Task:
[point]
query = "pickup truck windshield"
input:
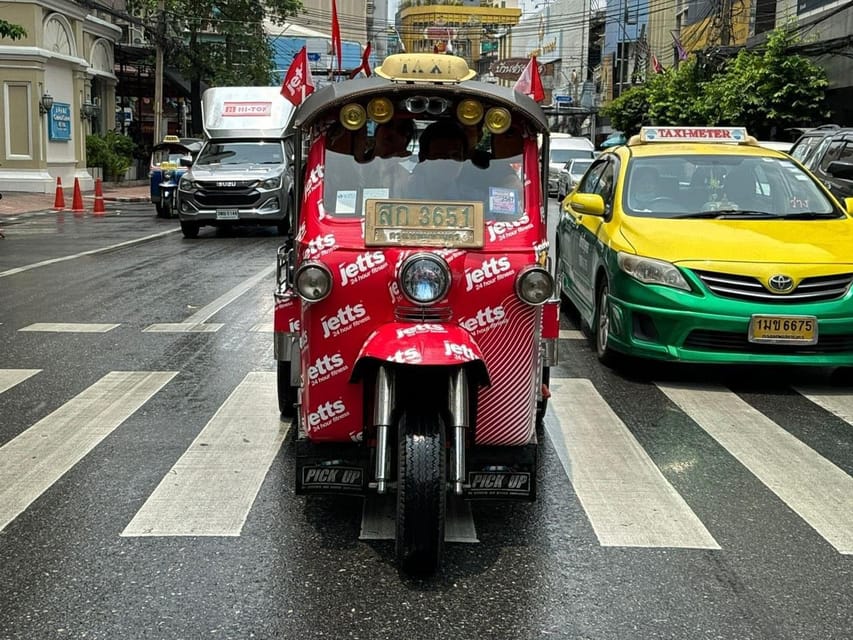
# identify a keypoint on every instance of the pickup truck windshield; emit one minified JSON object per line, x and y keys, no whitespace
{"x":229,"y":153}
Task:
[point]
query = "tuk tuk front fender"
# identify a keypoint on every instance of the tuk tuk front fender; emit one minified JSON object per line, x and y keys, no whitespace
{"x":423,"y":344}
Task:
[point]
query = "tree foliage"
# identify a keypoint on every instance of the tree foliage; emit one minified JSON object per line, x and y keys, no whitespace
{"x":12,"y":31}
{"x":758,"y":89}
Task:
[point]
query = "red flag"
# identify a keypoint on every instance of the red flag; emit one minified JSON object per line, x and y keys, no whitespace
{"x":530,"y":82}
{"x":656,"y":65}
{"x":336,"y":35}
{"x":298,"y":82}
{"x":365,"y":64}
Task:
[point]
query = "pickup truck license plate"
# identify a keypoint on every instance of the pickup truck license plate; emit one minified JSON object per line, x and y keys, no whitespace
{"x":227,"y":214}
{"x":783,"y":329}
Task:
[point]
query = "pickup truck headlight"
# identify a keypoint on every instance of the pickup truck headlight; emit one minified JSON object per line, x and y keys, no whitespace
{"x":270,"y":183}
{"x":186,"y":184}
{"x":652,"y":271}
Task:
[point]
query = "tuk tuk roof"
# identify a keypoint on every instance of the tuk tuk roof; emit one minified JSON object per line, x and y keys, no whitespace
{"x":338,"y":94}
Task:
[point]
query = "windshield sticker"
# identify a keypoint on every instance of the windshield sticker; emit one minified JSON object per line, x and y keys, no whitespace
{"x":345,"y":201}
{"x":503,"y":201}
{"x":378,"y":194}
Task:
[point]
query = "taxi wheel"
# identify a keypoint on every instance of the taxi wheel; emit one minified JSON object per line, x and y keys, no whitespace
{"x":421,"y":491}
{"x":601,"y":328}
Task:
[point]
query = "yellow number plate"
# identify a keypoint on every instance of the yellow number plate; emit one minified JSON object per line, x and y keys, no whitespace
{"x":417,"y":223}
{"x":783,"y":329}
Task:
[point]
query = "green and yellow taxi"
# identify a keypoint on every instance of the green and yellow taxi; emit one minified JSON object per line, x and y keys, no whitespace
{"x":695,"y":244}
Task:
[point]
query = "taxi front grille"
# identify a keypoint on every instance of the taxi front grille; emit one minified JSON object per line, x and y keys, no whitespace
{"x":739,"y":287}
{"x":423,"y":314}
{"x":704,"y":340}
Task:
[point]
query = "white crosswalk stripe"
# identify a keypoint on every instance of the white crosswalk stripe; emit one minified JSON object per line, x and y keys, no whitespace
{"x":211,"y":488}
{"x":816,"y":489}
{"x":627,"y":500}
{"x":626,"y":497}
{"x":38,"y":457}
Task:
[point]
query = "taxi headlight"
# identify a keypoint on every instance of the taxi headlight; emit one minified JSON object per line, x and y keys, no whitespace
{"x":534,"y":285}
{"x":270,"y":183}
{"x":424,"y":278}
{"x":313,"y":281}
{"x":651,"y":271}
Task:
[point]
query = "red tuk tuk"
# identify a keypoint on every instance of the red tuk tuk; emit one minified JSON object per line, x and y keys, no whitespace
{"x":415,"y":316}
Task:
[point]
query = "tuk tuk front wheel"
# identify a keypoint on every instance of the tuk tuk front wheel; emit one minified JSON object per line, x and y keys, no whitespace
{"x":421,"y":491}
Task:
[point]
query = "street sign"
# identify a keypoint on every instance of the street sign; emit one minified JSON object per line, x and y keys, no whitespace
{"x":563,"y":101}
{"x":314,"y":57}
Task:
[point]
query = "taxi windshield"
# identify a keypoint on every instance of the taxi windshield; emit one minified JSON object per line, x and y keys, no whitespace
{"x":423,"y":160}
{"x":722,"y":186}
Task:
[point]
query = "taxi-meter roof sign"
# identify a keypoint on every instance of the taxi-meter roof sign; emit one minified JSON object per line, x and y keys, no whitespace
{"x":693,"y":134}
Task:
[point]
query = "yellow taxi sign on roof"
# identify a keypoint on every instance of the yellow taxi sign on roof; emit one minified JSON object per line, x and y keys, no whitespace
{"x":694,"y":134}
{"x":171,"y":139}
{"x":424,"y":67}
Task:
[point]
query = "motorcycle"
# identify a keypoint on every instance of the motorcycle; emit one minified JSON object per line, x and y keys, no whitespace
{"x":415,"y":312}
{"x":166,"y":170}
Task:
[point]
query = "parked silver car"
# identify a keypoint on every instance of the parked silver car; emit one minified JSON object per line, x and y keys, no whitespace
{"x":570,"y":175}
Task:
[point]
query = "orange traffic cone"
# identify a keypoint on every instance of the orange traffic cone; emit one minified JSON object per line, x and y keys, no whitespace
{"x":99,"y":209}
{"x":77,"y":200}
{"x":59,"y":199}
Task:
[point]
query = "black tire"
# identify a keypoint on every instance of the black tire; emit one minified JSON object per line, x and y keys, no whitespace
{"x":190,"y":229}
{"x":542,"y":405}
{"x":161,"y":212}
{"x":286,"y":392}
{"x":601,"y":325}
{"x":421,"y":492}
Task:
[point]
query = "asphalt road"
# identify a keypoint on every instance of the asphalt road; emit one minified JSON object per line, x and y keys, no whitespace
{"x":674,"y":502}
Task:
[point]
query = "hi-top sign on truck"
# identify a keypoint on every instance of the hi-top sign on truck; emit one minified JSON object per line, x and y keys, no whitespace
{"x":243,"y":173}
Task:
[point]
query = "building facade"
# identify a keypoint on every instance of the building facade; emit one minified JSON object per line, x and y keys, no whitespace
{"x":57,"y":84}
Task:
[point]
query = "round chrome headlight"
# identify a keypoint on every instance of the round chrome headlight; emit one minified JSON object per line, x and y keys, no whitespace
{"x":313,"y":281}
{"x":424,"y":278}
{"x":534,"y":285}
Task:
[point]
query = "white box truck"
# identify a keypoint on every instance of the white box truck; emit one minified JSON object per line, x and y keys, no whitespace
{"x":244,"y":172}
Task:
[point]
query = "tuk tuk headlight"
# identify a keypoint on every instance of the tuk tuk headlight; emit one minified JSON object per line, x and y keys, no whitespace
{"x":534,"y":285}
{"x":270,"y":183}
{"x":424,"y":278}
{"x":313,"y":281}
{"x":167,"y":175}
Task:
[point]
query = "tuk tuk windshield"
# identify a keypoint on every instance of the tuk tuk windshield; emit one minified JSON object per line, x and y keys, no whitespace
{"x":168,"y":157}
{"x":241,"y":152}
{"x":424,"y":160}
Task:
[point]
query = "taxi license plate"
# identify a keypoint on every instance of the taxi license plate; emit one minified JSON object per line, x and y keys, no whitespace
{"x":783,"y":329}
{"x":227,"y":214}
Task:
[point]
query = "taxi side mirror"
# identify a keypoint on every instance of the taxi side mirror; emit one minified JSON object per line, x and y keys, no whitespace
{"x":186,"y":162}
{"x":590,"y":204}
{"x":848,"y":204}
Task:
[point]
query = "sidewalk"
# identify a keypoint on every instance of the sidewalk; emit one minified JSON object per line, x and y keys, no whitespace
{"x":18,"y":203}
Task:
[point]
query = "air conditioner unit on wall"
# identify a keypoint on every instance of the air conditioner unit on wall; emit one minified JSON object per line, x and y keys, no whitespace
{"x":137,"y":35}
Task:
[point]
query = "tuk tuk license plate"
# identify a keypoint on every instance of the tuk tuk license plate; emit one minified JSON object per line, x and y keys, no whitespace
{"x":419,"y":223}
{"x":783,"y":329}
{"x":227,"y":214}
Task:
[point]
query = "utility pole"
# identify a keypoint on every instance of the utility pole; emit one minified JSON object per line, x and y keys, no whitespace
{"x":158,"y":71}
{"x":726,"y":22}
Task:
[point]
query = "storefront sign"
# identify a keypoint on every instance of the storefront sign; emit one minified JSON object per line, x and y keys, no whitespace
{"x":510,"y":68}
{"x":59,"y":122}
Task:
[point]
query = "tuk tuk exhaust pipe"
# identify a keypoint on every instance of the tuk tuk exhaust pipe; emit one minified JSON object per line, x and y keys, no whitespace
{"x":459,"y":419}
{"x":382,"y":408}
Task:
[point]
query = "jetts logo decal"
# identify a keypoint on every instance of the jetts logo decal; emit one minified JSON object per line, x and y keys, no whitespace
{"x":485,"y":319}
{"x":498,"y":483}
{"x":327,"y":413}
{"x":326,"y":367}
{"x":461,"y":352}
{"x":345,"y":319}
{"x":319,"y":246}
{"x":499,"y":231}
{"x":332,"y":478}
{"x":490,"y":271}
{"x":411,"y":332}
{"x":364,"y":266}
{"x":406,"y":356}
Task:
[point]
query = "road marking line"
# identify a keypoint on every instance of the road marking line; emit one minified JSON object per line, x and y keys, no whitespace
{"x":832,"y":399}
{"x":69,"y":327}
{"x":91,"y":252}
{"x":263,"y":327}
{"x":41,"y":455}
{"x":571,"y":334}
{"x":211,"y":488}
{"x":196,"y":321}
{"x":10,"y":377}
{"x":627,"y":499}
{"x":816,"y":489}
{"x":182,"y":327}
